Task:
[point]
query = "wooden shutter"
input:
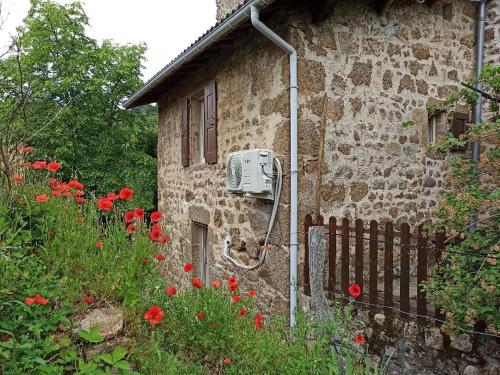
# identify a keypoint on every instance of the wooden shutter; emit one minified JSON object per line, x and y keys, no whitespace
{"x":185,"y":132}
{"x":458,"y":127}
{"x":210,"y":144}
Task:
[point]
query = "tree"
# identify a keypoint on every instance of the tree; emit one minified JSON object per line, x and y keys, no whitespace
{"x":61,"y":92}
{"x":466,"y":283}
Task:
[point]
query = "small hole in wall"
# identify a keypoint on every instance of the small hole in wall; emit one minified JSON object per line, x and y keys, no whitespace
{"x":447,"y":11}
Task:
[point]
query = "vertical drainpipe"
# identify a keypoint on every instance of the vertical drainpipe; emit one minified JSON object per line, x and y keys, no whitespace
{"x":293,"y":153}
{"x":478,"y":109}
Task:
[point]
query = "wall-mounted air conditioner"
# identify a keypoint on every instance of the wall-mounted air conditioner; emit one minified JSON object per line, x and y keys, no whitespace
{"x":250,"y":173}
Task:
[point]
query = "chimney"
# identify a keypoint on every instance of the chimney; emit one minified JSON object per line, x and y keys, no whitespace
{"x":226,"y":6}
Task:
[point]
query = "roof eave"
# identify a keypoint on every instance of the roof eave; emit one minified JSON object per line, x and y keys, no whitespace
{"x":221,"y":29}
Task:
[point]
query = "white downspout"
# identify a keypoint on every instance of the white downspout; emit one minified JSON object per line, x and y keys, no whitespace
{"x":293,"y":153}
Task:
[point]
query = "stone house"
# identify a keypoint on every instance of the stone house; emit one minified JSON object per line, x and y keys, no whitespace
{"x":379,"y":62}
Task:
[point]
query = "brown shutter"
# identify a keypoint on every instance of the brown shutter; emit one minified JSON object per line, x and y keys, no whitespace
{"x":458,"y":127}
{"x":185,"y":132}
{"x":210,"y":123}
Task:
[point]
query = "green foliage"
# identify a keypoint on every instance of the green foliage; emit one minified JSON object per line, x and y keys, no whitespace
{"x":92,"y":336}
{"x":407,"y":123}
{"x":108,"y":363}
{"x":61,"y":91}
{"x":465,"y":284}
{"x":50,"y":248}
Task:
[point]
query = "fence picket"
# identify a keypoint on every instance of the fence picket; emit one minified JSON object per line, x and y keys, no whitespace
{"x":404,"y":294}
{"x":373,"y":280}
{"x":421,"y":271}
{"x":307,"y":224}
{"x":440,"y":245}
{"x":332,"y":254}
{"x":344,"y":272}
{"x":388,"y":264}
{"x":358,"y":256}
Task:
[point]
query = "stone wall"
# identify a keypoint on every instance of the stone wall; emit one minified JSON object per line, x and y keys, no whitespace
{"x":401,"y":346}
{"x":492,"y":33}
{"x":226,"y":6}
{"x":377,"y":73}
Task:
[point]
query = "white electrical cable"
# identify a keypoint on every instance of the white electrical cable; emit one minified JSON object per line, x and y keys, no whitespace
{"x":263,"y":256}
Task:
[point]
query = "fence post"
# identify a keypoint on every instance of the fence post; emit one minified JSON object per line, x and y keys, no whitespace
{"x":421,"y":271}
{"x":373,"y":280}
{"x":317,"y":249}
{"x":405,"y":269}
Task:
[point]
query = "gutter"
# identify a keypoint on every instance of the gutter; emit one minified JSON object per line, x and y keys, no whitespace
{"x":271,"y":35}
{"x":478,"y":109}
{"x":219,"y":31}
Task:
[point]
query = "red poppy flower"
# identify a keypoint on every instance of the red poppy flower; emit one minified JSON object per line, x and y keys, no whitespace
{"x":155,"y":216}
{"x":126,"y":194}
{"x":79,"y":193}
{"x":232,"y":283}
{"x":53,"y":166}
{"x":258,"y":321}
{"x":131,"y":228}
{"x":155,"y":234}
{"x":145,"y":262}
{"x":243,"y":311}
{"x":196,"y":282}
{"x":139,"y":212}
{"x":29,"y":301}
{"x":129,"y":216}
{"x":187,"y":267}
{"x":42,"y":198}
{"x":75,"y":184}
{"x":354,"y":290}
{"x":56,"y":193}
{"x":112,"y":196}
{"x":88,"y":299}
{"x":38,"y":299}
{"x":251,"y":293}
{"x":80,"y":200}
{"x":216,"y":283}
{"x":164,"y":239}
{"x":160,"y":258}
{"x":99,"y":244}
{"x":227,"y":361}
{"x":360,"y":339}
{"x":6,"y":338}
{"x":154,"y":315}
{"x":171,"y":291}
{"x":201,"y":315}
{"x":39,"y":164}
{"x":18,"y":179}
{"x":25,"y":149}
{"x":104,"y":204}
{"x":236,"y":298}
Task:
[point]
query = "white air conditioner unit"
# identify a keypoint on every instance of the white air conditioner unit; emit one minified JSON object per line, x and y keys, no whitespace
{"x":250,"y":173}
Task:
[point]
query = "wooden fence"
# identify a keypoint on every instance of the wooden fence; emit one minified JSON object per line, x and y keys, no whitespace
{"x":369,"y":254}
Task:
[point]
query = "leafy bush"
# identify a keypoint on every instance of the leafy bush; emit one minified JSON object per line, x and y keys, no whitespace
{"x":62,"y":252}
{"x":465,"y":284}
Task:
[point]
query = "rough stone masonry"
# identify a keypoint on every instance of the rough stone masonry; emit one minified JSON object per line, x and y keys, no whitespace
{"x":377,"y":71}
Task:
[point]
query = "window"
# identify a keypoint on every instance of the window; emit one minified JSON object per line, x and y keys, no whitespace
{"x":457,"y":127}
{"x":199,"y":245}
{"x":199,"y":127}
{"x":432,"y":124}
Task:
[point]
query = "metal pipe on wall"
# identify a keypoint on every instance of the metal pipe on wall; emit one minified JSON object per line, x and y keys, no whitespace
{"x":478,"y":109}
{"x":266,"y":31}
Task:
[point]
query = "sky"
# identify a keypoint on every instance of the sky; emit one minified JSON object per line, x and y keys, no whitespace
{"x":166,"y":26}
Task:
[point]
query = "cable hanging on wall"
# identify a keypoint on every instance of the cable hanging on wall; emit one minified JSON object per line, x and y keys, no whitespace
{"x":228,"y":245}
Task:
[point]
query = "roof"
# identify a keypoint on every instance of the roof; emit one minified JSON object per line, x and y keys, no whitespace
{"x":218,"y":33}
